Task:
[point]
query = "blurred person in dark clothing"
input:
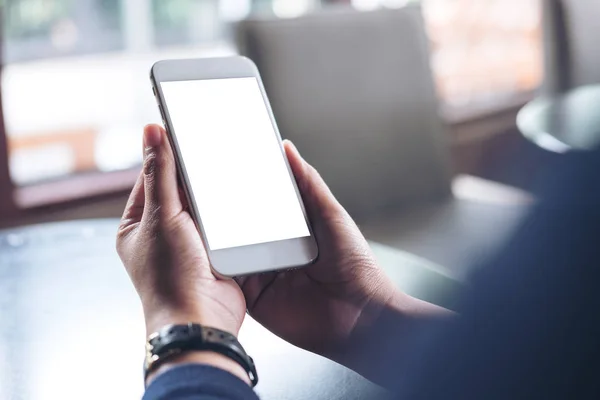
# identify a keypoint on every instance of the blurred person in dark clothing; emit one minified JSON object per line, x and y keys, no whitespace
{"x":528,"y":326}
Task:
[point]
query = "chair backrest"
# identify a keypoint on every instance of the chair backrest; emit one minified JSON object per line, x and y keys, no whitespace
{"x":354,"y":91}
{"x":572,"y":57}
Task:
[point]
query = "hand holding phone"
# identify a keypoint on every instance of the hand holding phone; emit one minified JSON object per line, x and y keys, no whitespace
{"x":325,"y":307}
{"x":161,"y":250}
{"x":159,"y":245}
{"x":231,"y":164}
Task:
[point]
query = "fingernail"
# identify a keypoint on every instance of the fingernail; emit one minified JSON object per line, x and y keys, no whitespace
{"x":294,"y":148}
{"x":290,"y":144}
{"x":152,"y":136}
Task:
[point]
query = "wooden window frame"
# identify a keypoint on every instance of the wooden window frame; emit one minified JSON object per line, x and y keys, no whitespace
{"x":18,"y":202}
{"x":7,"y":206}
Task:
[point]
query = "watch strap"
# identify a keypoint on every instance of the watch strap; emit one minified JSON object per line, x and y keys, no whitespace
{"x":173,"y":340}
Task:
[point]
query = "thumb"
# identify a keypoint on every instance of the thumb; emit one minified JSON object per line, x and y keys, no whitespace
{"x":160,"y":175}
{"x":321,"y":204}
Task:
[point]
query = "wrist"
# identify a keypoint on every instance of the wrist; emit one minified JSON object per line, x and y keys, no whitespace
{"x":387,"y":321}
{"x":385,"y":304}
{"x":157,"y":319}
{"x":394,"y":306}
{"x":380,"y":298}
{"x":190,"y":343}
{"x":391,"y":303}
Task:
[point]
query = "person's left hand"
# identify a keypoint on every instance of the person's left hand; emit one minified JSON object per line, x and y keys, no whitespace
{"x":163,"y":253}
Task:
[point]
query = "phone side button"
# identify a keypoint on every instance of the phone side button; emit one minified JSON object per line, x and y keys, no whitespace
{"x":162,"y":115}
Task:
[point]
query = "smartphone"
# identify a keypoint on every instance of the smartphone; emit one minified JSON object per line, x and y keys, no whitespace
{"x":232,"y":165}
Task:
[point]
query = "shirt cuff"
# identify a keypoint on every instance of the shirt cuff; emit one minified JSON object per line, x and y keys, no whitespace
{"x":202,"y":382}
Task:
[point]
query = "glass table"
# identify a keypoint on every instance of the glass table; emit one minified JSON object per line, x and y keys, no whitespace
{"x":71,"y":320}
{"x":565,"y":122}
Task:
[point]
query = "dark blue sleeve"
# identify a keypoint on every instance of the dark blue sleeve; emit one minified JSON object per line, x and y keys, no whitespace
{"x":198,"y":382}
{"x":529,"y":324}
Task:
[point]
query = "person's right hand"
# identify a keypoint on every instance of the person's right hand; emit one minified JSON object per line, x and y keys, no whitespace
{"x":320,"y":307}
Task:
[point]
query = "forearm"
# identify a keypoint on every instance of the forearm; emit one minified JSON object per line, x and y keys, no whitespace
{"x":389,"y":326}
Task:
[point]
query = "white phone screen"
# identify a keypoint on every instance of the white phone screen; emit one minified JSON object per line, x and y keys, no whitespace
{"x":235,"y":166}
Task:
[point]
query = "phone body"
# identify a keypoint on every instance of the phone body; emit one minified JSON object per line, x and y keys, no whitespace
{"x":232,"y":165}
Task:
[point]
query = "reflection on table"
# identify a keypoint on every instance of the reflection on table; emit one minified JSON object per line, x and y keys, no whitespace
{"x":72,"y":325}
{"x":563,"y":122}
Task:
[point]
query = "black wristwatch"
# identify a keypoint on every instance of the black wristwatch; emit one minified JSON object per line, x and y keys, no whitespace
{"x":173,"y":340}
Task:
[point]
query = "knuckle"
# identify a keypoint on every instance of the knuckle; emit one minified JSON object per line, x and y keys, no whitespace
{"x":150,"y":162}
{"x":124,"y":233}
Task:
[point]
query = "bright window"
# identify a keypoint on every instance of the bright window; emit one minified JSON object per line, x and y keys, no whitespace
{"x":75,"y":82}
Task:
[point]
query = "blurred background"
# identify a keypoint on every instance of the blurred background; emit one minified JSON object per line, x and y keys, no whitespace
{"x":75,"y":90}
{"x":431,"y":121}
{"x":75,"y":78}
